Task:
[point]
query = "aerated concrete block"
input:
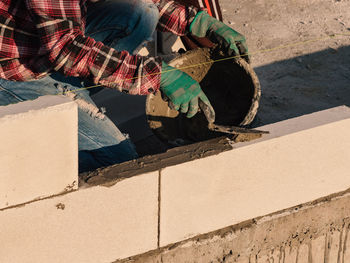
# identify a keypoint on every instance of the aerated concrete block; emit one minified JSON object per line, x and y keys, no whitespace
{"x":98,"y":224}
{"x":39,"y":149}
{"x":301,"y":160}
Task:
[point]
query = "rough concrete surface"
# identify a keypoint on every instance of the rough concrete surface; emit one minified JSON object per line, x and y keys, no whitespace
{"x":112,"y":174}
{"x":317,"y":232}
{"x":295,"y":80}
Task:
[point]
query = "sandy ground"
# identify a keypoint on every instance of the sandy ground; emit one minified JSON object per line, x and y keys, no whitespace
{"x":301,"y":79}
{"x":295,"y":80}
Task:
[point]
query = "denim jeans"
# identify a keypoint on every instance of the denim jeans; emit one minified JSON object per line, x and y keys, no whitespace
{"x":123,"y":25}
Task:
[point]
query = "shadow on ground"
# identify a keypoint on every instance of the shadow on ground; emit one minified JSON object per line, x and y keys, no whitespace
{"x":304,"y":84}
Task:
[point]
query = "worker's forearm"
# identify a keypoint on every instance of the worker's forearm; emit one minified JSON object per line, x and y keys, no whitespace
{"x":69,"y":51}
{"x":174,"y":17}
{"x":86,"y":58}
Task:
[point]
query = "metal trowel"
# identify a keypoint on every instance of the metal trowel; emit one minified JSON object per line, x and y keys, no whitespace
{"x":210,"y":115}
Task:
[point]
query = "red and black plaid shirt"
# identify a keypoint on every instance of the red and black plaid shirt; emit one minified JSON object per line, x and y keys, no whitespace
{"x":41,"y":36}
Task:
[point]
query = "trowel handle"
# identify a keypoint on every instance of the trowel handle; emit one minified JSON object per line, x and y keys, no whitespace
{"x":208,"y":111}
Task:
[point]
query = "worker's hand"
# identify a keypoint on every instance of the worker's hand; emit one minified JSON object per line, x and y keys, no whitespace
{"x":182,"y":91}
{"x":230,"y":40}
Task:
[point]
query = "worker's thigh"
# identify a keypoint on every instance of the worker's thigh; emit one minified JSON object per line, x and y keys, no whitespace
{"x":122,"y":24}
{"x":100,"y":141}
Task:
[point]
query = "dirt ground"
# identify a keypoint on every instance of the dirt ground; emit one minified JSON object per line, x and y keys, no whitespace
{"x":301,"y":79}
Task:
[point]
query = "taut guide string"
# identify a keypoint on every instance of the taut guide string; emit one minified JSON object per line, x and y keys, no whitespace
{"x":233,"y":57}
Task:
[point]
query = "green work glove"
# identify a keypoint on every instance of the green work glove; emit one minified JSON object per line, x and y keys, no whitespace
{"x":183,"y":91}
{"x":230,"y":40}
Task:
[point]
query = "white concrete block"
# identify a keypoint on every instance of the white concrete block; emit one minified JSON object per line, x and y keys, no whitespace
{"x":39,"y":149}
{"x":95,"y":225}
{"x":301,"y":160}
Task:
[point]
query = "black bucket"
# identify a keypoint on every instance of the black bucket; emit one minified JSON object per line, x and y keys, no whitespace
{"x":231,"y":86}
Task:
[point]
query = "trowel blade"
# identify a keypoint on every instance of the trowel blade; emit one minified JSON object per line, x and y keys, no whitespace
{"x":234,"y":129}
{"x":210,"y":116}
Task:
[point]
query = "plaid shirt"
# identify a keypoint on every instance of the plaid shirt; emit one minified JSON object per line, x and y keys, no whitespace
{"x":41,"y":36}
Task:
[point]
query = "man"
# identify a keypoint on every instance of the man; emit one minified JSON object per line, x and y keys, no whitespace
{"x":51,"y":47}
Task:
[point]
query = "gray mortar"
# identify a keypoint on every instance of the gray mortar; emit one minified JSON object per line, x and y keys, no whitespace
{"x":109,"y":176}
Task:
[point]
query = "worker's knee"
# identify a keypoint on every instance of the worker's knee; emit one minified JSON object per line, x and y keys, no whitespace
{"x":122,"y":24}
{"x":149,"y":17}
{"x":125,"y":15}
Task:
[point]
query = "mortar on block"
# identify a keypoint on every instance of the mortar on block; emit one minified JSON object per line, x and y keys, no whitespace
{"x":233,"y":90}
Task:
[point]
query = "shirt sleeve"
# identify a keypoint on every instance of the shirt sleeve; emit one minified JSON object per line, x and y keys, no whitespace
{"x":174,"y":17}
{"x":66,"y":49}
